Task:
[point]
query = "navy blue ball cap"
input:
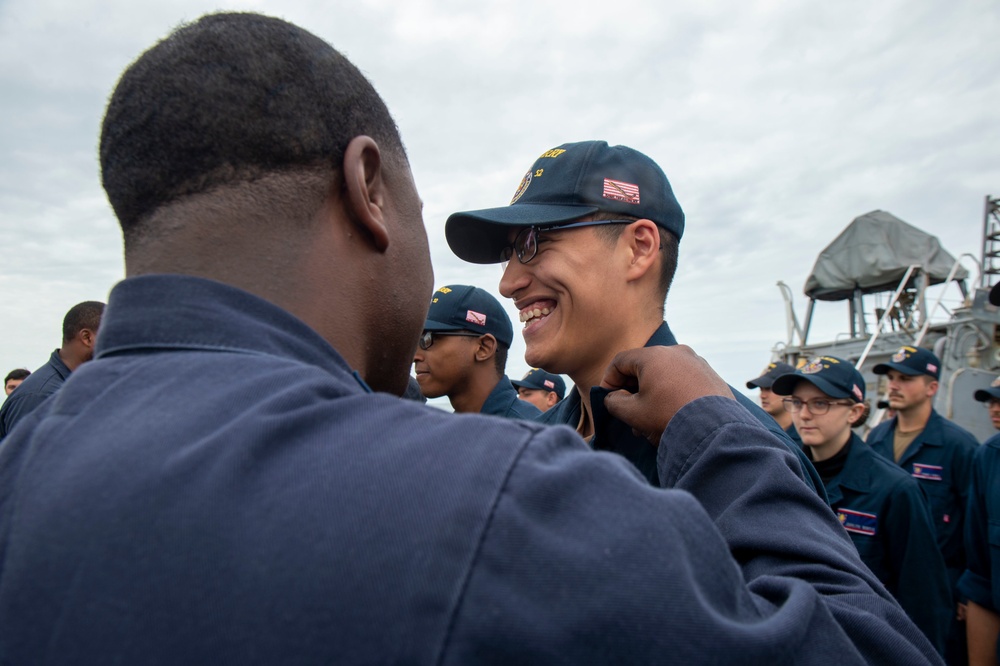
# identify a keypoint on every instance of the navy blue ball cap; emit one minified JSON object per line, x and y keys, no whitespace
{"x":462,"y":307}
{"x":536,"y":378}
{"x":831,"y":375}
{"x":911,"y":361}
{"x":563,"y":185}
{"x":770,"y":373}
{"x":991,"y":393}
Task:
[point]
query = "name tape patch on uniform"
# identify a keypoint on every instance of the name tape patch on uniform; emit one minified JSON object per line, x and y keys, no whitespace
{"x":474,"y":317}
{"x":857,"y":522}
{"x":928,"y":472}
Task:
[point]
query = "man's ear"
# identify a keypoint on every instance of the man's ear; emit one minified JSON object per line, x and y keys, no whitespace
{"x":932,"y":388}
{"x":87,"y":337}
{"x":364,"y":189}
{"x":487,"y":348}
{"x":551,"y":398}
{"x":643,"y":238}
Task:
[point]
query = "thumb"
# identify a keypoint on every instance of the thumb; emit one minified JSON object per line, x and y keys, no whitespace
{"x":625,"y":407}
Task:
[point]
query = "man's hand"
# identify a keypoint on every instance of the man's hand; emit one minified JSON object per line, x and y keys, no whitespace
{"x":656,"y":382}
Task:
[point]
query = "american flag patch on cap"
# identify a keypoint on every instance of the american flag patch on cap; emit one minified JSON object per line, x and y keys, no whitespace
{"x":549,"y":383}
{"x":621,"y":191}
{"x":474,"y":317}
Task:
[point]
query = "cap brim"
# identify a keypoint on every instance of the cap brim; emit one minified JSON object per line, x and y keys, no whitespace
{"x":431,"y":325}
{"x":884,"y":368}
{"x":985,"y":395}
{"x":760,"y":382}
{"x":785,"y":384}
{"x":479,"y":236}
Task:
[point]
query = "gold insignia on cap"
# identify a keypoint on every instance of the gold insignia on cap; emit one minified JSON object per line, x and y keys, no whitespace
{"x":812,"y":367}
{"x":522,"y":187}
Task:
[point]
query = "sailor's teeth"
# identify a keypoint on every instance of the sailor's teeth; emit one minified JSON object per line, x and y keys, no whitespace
{"x":536,"y":312}
{"x":545,"y":311}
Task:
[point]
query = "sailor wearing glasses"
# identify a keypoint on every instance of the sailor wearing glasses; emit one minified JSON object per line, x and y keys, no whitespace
{"x":882,"y":507}
{"x":462,"y":353}
{"x":589,"y":245}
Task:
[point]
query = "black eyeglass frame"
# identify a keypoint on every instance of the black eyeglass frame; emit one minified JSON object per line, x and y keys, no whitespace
{"x":426,"y":339}
{"x":528,"y":238}
{"x":788,"y":402}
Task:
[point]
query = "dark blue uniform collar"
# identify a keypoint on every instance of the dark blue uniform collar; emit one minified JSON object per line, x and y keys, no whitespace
{"x":932,"y":432}
{"x":55,"y":360}
{"x":610,"y":434}
{"x":857,"y":473}
{"x":183,"y":312}
{"x":569,"y":410}
{"x":931,"y":435}
{"x":662,"y":337}
{"x":503,"y":401}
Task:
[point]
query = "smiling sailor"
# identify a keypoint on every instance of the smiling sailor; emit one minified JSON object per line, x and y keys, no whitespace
{"x":590,"y":241}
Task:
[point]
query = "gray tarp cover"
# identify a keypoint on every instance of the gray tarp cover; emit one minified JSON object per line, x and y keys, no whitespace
{"x":872,"y":254}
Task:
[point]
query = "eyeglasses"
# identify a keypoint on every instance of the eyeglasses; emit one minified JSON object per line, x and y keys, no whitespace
{"x":525,"y":244}
{"x":426,"y":340}
{"x":817,"y":406}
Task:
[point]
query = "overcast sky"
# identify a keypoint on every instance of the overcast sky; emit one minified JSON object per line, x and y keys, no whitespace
{"x":776,"y":122}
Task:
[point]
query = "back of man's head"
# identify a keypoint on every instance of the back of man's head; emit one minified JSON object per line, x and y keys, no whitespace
{"x":231,"y":98}
{"x":86,"y":315}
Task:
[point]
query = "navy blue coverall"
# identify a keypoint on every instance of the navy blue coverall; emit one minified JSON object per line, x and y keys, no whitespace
{"x":218,"y":486}
{"x":888,"y":518}
{"x":610,"y":434}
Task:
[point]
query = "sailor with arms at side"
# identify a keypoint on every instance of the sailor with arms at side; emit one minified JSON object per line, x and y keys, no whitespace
{"x":935,"y":452}
{"x":882,"y":507}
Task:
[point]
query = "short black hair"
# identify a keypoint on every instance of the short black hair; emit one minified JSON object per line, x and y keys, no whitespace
{"x":17,"y":373}
{"x":500,"y":359}
{"x":230,"y":98}
{"x":669,"y":244}
{"x":80,"y":316}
